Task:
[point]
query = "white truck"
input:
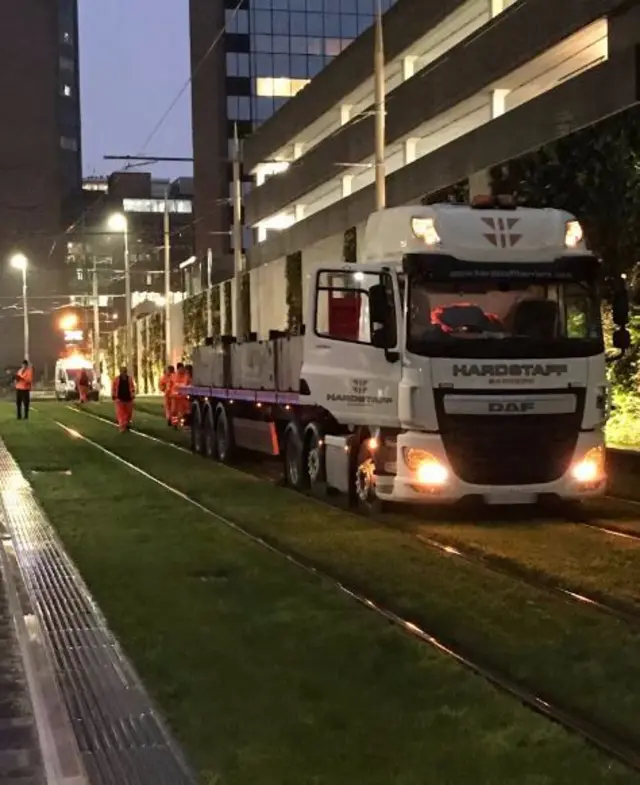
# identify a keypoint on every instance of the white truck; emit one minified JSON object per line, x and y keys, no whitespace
{"x":463,"y":358}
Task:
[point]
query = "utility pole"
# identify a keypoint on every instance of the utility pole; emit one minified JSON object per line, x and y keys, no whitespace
{"x":167,"y":277}
{"x":380,"y":118}
{"x":96,"y":322}
{"x":209,"y":294}
{"x":238,"y":262}
{"x":127,"y":295}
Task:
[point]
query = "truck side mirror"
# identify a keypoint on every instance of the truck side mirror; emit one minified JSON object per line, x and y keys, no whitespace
{"x":620,"y":305}
{"x":378,"y":305}
{"x":621,"y":339}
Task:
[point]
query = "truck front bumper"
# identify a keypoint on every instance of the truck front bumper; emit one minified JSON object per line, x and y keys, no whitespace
{"x":438,"y":483}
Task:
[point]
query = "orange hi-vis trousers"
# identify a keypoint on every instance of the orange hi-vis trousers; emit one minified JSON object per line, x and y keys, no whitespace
{"x":124,"y":414}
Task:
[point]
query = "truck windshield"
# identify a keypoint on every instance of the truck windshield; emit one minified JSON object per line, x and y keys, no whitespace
{"x":497,"y":315}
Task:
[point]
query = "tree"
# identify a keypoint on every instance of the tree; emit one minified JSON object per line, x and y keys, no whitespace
{"x":593,"y":173}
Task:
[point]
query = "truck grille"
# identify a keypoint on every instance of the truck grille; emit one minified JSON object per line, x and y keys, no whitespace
{"x":509,"y":449}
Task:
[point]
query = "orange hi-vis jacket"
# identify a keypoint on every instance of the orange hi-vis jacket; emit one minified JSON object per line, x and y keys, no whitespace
{"x":179,"y":379}
{"x":165,"y":383}
{"x":114,"y":388}
{"x":25,"y":379}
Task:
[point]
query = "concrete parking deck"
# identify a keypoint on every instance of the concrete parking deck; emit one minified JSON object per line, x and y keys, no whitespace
{"x":96,"y":723}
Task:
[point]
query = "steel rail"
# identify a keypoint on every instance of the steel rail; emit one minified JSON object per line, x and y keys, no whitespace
{"x":505,"y":567}
{"x":608,"y":741}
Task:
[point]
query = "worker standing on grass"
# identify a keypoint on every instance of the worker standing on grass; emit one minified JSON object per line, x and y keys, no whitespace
{"x":83,"y":386}
{"x":123,"y":392}
{"x":165,"y":389}
{"x":179,"y":401}
{"x":24,"y":381}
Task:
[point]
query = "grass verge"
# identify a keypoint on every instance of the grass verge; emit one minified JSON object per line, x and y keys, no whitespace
{"x":268,"y":676}
{"x":546,"y":548}
{"x":573,"y":655}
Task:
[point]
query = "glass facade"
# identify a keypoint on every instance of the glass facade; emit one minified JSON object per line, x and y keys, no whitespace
{"x":69,"y":95}
{"x":273,"y":49}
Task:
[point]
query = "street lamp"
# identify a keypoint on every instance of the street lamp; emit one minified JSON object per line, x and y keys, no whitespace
{"x":20,"y":262}
{"x":118,"y":223}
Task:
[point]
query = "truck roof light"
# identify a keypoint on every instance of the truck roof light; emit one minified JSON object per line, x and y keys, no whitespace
{"x":573,"y":234}
{"x":424,"y":229}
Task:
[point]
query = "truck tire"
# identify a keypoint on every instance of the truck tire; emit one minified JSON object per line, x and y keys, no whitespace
{"x":363,"y":495}
{"x":209,"y":447}
{"x":225,"y":441}
{"x":196,"y":429}
{"x":315,"y":458}
{"x":296,"y":472}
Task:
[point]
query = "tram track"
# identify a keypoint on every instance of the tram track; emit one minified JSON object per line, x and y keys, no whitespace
{"x":613,"y":743}
{"x":454,"y":549}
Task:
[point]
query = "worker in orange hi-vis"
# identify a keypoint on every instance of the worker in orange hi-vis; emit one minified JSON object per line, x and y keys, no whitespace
{"x":123,"y":392}
{"x":83,"y":386}
{"x":165,"y":389}
{"x":179,"y":401}
{"x":24,"y":382}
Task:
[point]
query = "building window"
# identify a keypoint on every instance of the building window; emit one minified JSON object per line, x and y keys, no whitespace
{"x":69,"y":143}
{"x":67,"y":92}
{"x":280,"y":87}
{"x":67,"y":64}
{"x":238,"y":64}
{"x":236,"y":21}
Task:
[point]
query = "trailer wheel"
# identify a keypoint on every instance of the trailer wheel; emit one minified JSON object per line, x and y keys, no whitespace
{"x":364,"y":489}
{"x":209,"y":447}
{"x":315,"y":458}
{"x":225,"y":441}
{"x":295,"y":466}
{"x":196,"y":429}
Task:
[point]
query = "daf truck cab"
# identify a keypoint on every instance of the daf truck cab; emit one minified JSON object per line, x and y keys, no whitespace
{"x":463,"y":358}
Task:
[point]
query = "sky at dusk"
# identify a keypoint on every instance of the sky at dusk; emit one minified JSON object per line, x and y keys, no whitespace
{"x":134,"y":58}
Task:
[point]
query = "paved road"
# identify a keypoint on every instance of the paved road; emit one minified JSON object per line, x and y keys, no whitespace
{"x":19,"y":756}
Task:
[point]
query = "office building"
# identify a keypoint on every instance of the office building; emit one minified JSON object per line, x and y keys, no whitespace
{"x":470,"y":84}
{"x":40,"y":160}
{"x":267,"y":52}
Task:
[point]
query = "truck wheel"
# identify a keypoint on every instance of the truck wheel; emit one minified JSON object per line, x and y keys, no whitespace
{"x":364,"y":489}
{"x":225,"y":442}
{"x":315,"y":457}
{"x":209,"y":448}
{"x":295,"y":466}
{"x":196,"y":428}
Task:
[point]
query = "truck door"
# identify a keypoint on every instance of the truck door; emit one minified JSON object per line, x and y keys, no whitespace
{"x":352,"y":363}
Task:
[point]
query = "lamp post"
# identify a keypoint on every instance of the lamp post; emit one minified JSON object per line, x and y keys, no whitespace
{"x":20,"y":262}
{"x":118,"y":223}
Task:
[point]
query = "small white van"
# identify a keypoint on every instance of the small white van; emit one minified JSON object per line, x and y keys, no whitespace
{"x":68,"y":370}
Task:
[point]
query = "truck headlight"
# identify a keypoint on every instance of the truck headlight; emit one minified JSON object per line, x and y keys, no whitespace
{"x":425,"y":229}
{"x":426,"y":467}
{"x":573,"y":234}
{"x":590,"y":469}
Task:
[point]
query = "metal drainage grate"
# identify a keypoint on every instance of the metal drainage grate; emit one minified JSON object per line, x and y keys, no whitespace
{"x":122,"y":739}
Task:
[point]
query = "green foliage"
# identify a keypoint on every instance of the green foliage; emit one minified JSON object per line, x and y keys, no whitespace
{"x":350,"y":246}
{"x":227,"y":327}
{"x":458,"y":193}
{"x":215,"y":307}
{"x":244,"y":327}
{"x":593,"y":173}
{"x":194,"y":311}
{"x":157,"y":348}
{"x":294,"y":293}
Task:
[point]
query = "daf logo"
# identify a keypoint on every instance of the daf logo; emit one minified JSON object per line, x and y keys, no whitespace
{"x":512,"y":407}
{"x":501,"y":235}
